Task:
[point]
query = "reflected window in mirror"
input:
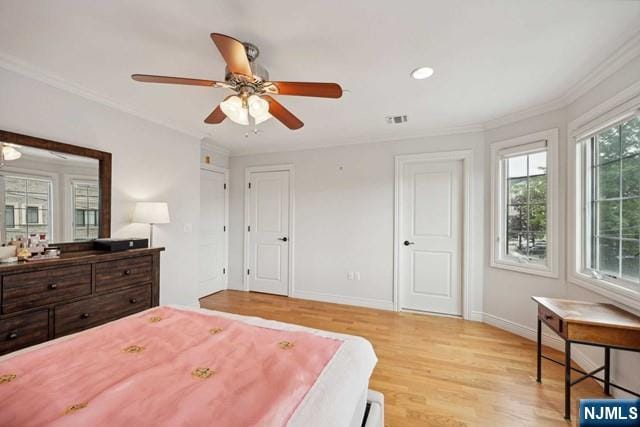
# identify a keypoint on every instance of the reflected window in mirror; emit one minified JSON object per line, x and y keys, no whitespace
{"x":27,"y":201}
{"x":85,"y":205}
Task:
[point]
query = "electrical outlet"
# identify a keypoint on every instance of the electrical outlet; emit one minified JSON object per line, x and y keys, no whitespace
{"x":350,"y":275}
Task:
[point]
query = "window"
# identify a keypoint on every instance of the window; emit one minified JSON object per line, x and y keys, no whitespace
{"x":32,"y":215}
{"x":85,"y":208}
{"x":27,"y":206}
{"x":612,"y":203}
{"x":9,"y":216}
{"x":524,"y":203}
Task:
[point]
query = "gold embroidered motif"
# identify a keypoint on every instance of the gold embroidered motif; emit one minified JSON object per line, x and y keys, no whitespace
{"x":133,"y":349}
{"x":285,"y":345}
{"x":7,"y":378}
{"x":155,"y":319}
{"x":203,"y":372}
{"x":214,"y":331}
{"x":75,"y":408}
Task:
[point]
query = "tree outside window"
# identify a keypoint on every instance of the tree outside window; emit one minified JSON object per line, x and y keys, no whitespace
{"x":526,"y":206}
{"x":614,"y":204}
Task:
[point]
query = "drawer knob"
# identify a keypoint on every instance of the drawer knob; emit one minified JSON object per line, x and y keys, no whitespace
{"x":13,"y":335}
{"x":53,"y":286}
{"x":133,"y":300}
{"x":548,"y":316}
{"x":127,"y":272}
{"x":84,"y":315}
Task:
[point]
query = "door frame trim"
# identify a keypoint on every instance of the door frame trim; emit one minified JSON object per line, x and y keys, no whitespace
{"x":289,"y":167}
{"x":466,"y":156}
{"x":225,"y":172}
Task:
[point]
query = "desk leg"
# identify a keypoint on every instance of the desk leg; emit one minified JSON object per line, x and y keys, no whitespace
{"x":539,"y":372}
{"x":607,"y":370}
{"x":567,"y":380}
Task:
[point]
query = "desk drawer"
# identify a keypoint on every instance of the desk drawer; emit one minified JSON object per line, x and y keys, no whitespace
{"x":125,"y":272}
{"x":23,"y":331}
{"x":551,"y":319}
{"x":76,"y":316}
{"x":22,"y":291}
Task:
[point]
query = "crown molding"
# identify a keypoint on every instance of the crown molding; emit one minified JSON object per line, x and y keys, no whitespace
{"x":618,"y":59}
{"x":208,"y":144}
{"x":20,"y":67}
{"x":453,"y":130}
{"x":614,"y":62}
{"x":536,"y":110}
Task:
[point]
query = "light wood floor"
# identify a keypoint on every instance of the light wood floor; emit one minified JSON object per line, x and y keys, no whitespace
{"x":433,"y":370}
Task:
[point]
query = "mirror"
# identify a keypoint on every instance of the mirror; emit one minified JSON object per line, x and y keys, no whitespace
{"x":52,"y":191}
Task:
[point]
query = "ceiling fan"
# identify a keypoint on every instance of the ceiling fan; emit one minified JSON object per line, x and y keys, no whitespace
{"x":252,"y":100}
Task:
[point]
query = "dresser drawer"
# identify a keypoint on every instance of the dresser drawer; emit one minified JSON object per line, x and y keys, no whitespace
{"x":24,"y":330}
{"x":79,"y":315}
{"x":125,"y":272}
{"x":551,"y":319}
{"x":21,"y":291}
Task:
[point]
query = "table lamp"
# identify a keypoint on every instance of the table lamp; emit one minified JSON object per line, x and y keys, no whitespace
{"x":151,"y":213}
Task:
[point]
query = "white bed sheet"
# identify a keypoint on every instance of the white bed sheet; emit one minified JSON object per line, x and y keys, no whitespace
{"x":337,"y":393}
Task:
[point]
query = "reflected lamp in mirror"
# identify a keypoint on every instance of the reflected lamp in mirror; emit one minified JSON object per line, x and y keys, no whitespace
{"x":151,"y":213}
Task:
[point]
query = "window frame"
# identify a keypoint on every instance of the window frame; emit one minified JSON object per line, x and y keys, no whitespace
{"x":606,"y":115}
{"x":526,"y":145}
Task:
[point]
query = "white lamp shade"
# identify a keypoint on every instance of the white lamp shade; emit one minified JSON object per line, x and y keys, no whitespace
{"x":151,"y":213}
{"x":233,"y":109}
{"x":259,"y":109}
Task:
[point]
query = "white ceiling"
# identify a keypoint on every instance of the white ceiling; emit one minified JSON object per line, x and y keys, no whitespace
{"x":491,"y":58}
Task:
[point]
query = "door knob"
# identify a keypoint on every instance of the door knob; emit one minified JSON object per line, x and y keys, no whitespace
{"x":13,"y":335}
{"x":284,"y":239}
{"x":407,"y":243}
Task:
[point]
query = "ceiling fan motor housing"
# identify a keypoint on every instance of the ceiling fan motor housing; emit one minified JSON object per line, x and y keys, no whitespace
{"x":258,"y":71}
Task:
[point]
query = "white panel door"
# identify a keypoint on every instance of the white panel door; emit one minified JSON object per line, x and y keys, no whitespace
{"x":212,"y":239}
{"x":430,"y":262}
{"x":268,"y":228}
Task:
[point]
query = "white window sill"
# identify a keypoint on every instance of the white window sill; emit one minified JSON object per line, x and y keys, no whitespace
{"x":620,"y":294}
{"x":527,"y":268}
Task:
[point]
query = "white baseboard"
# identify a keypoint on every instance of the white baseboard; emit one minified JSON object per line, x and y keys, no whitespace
{"x":585,"y":362}
{"x":342,"y":299}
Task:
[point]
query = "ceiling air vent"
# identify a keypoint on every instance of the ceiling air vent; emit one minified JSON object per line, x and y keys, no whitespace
{"x":395,"y":120}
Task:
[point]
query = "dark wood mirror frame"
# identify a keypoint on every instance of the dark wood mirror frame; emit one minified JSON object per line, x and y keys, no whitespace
{"x":104,"y":173}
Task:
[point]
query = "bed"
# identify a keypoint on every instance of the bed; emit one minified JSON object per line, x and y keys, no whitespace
{"x":174,"y":366}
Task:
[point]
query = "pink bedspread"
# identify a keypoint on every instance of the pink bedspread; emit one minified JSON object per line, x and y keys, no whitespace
{"x":164,"y":367}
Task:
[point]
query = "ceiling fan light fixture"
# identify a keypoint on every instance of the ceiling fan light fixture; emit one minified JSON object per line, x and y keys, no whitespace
{"x":422,"y":73}
{"x":10,"y":153}
{"x":232,"y":108}
{"x":259,"y":109}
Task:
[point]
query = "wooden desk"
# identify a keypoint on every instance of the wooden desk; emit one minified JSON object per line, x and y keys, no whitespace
{"x":580,"y":322}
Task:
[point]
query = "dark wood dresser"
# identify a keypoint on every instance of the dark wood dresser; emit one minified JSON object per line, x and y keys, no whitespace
{"x":42,"y":300}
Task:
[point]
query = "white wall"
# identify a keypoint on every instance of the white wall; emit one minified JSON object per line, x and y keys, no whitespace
{"x":150,"y":162}
{"x":344,"y":204}
{"x":507,"y":294}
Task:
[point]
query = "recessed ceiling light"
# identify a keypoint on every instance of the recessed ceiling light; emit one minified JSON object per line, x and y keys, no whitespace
{"x":422,"y":73}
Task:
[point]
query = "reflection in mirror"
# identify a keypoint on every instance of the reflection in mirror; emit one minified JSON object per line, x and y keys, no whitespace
{"x":47,"y":195}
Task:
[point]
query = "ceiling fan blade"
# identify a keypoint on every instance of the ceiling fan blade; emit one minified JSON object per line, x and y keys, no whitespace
{"x":216,"y":116}
{"x":320,"y":90}
{"x":146,"y":78}
{"x":234,"y":54}
{"x":285,"y":116}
